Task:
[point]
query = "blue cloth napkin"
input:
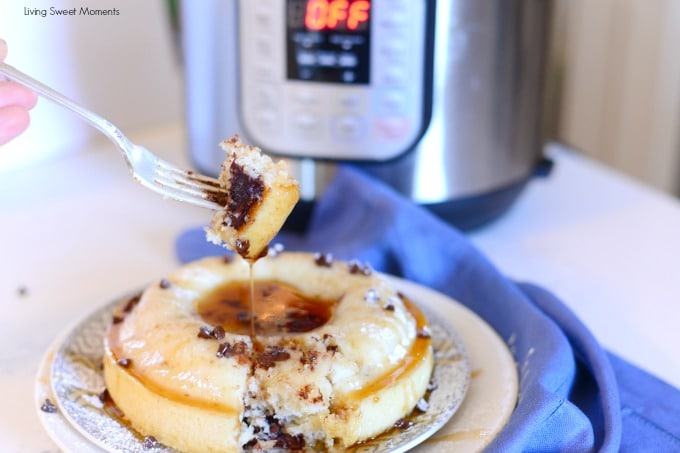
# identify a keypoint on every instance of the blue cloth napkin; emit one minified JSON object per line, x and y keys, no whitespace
{"x":568,"y":397}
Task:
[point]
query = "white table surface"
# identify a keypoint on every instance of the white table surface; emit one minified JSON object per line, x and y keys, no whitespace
{"x":77,"y":232}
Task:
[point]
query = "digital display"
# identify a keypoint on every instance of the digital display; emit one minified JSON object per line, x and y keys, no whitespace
{"x":337,"y":14}
{"x":328,"y":40}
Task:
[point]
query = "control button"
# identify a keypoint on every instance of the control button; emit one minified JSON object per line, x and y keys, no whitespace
{"x":305,"y":97}
{"x":306,"y":123}
{"x":328,"y":59}
{"x":393,"y":101}
{"x":263,"y":17}
{"x":393,"y":76}
{"x":267,"y":118}
{"x":263,"y":48}
{"x":262,"y":70}
{"x":306,"y":73}
{"x":393,"y":128}
{"x":351,"y":101}
{"x":266,"y":94}
{"x":348,"y":128}
{"x":348,"y":60}
{"x":394,"y":48}
{"x":394,"y":18}
{"x":349,"y":76}
{"x":306,"y":58}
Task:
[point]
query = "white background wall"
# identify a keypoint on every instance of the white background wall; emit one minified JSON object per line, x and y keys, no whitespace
{"x":123,"y":67}
{"x":621,"y":92}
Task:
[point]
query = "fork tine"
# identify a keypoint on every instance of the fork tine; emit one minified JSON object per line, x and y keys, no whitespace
{"x":190,"y":176}
{"x":189,"y":186}
{"x":170,"y":189}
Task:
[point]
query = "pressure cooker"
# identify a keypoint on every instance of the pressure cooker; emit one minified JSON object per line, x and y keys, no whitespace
{"x":444,"y":100}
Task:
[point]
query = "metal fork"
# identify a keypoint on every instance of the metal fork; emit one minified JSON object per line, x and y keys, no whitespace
{"x":147,"y":168}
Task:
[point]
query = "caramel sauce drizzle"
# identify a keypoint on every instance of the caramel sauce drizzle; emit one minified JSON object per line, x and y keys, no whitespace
{"x":253,"y":334}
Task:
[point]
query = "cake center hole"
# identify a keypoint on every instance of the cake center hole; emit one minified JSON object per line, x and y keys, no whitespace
{"x":278,"y":309}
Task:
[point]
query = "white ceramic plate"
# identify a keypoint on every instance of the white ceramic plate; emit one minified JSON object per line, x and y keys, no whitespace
{"x":71,"y":378}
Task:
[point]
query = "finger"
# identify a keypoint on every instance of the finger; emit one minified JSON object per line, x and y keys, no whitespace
{"x":3,"y":49}
{"x":14,"y":94}
{"x":13,"y":121}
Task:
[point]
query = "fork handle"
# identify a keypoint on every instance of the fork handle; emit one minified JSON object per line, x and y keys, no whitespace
{"x":105,"y":126}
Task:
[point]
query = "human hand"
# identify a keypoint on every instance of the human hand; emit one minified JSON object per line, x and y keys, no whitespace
{"x":15,"y":102}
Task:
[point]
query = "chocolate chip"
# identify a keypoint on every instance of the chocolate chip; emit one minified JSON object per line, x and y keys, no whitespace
{"x":117,"y":319}
{"x":125,"y":362}
{"x":227,"y":349}
{"x":424,"y":332}
{"x":354,"y":267}
{"x":165,"y":283}
{"x":48,"y":406}
{"x":357,"y":268}
{"x":432,"y":385}
{"x":278,"y":353}
{"x":250,"y":445}
{"x":224,"y":350}
{"x":270,"y":356}
{"x":323,"y":259}
{"x":302,"y":321}
{"x":205,"y":332}
{"x":242,"y":247}
{"x":245,"y":193}
{"x":403,"y":423}
{"x":290,"y":442}
{"x":422,"y":405}
{"x":132,"y":303}
{"x":105,"y":397}
{"x":389,"y":306}
{"x":218,"y":333}
{"x":150,"y":442}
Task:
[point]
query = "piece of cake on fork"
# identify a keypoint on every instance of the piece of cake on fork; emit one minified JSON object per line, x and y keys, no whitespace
{"x":260,"y":196}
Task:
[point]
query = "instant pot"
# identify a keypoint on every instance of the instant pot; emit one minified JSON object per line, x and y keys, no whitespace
{"x":443,"y":100}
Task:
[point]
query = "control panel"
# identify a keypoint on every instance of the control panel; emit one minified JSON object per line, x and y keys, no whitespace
{"x":334,"y":79}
